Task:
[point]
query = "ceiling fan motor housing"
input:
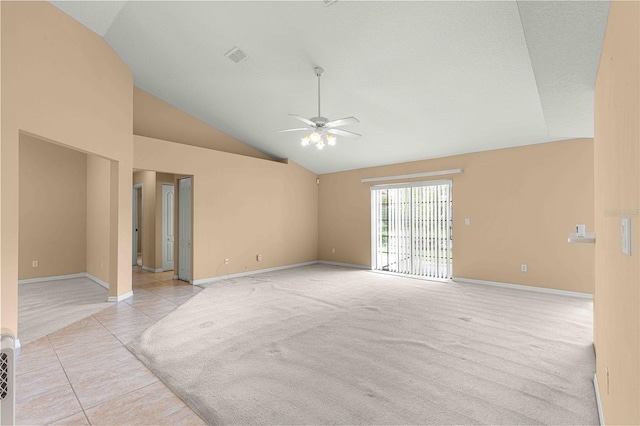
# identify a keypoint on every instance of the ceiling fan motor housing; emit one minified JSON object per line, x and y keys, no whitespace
{"x":320,"y":122}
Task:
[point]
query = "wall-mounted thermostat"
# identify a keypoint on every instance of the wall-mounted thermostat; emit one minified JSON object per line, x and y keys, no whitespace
{"x":625,"y":229}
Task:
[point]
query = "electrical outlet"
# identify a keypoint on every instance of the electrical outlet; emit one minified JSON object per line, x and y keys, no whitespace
{"x":34,"y":264}
{"x":625,"y":229}
{"x":333,"y":251}
{"x":523,"y":267}
{"x":226,"y":261}
{"x":259,"y":258}
{"x":467,"y":221}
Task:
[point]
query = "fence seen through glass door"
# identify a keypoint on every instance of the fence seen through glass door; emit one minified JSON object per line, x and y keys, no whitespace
{"x":411,"y":229}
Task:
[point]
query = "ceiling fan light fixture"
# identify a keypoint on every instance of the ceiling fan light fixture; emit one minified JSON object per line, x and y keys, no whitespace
{"x":320,"y":144}
{"x":331,"y":140}
{"x":315,"y":137}
{"x":306,"y":140}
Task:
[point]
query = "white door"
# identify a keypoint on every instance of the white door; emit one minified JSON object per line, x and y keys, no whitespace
{"x":134,"y":230}
{"x":167,"y":227}
{"x":184,"y":229}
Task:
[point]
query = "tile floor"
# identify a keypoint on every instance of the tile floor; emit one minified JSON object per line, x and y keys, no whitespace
{"x":84,"y":374}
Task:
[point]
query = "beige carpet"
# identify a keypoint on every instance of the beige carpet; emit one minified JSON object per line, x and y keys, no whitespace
{"x":49,"y":306}
{"x":330,"y":345}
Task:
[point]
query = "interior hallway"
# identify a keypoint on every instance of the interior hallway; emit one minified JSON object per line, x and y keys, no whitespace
{"x":84,"y":374}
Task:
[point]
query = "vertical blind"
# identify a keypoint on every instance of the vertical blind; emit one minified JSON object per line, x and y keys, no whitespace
{"x":411,"y":229}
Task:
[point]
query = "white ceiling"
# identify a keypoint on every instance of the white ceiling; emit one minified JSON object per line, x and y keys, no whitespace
{"x":426,"y":78}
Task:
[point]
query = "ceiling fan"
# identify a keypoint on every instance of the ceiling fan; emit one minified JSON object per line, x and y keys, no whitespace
{"x":321,"y":125}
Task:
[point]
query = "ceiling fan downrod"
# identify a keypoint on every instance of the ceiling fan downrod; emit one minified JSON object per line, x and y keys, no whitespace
{"x":319,"y":71}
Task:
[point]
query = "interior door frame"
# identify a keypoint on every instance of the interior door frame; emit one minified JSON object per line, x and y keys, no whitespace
{"x":135,"y":231}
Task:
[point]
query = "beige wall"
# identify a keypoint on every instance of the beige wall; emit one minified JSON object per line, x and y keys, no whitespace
{"x":155,"y":118}
{"x":522,"y":202}
{"x":617,"y":194}
{"x":62,"y":82}
{"x":243,"y":206}
{"x":53,"y":209}
{"x":98,"y":226}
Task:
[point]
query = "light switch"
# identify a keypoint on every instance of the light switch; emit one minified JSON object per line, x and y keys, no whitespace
{"x":467,"y":221}
{"x":625,"y":229}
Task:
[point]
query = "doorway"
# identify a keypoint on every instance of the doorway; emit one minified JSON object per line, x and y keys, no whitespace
{"x":184,"y":229}
{"x":65,"y":254}
{"x":136,"y":233}
{"x":411,"y":229}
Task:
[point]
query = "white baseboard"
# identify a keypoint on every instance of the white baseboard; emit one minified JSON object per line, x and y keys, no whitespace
{"x":598,"y":403}
{"x":257,"y":271}
{"x":66,"y":277}
{"x":348,"y":265}
{"x":120,"y":298}
{"x":52,"y":278}
{"x":148,"y":269}
{"x":78,"y":275}
{"x":97,"y":280}
{"x":525,"y":288}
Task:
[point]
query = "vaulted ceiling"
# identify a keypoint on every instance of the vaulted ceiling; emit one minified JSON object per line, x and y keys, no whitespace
{"x":425,"y":78}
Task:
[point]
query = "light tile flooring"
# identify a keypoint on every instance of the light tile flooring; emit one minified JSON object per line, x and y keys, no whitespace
{"x":84,"y":374}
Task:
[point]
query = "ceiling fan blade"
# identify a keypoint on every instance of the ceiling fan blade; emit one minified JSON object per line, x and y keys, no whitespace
{"x":293,"y":130}
{"x":304,"y":120}
{"x":344,"y":133}
{"x":342,"y":122}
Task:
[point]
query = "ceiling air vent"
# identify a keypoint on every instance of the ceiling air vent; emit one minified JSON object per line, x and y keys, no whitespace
{"x":236,"y":55}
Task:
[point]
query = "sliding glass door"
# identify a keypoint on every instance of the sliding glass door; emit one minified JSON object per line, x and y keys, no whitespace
{"x":411,"y":229}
